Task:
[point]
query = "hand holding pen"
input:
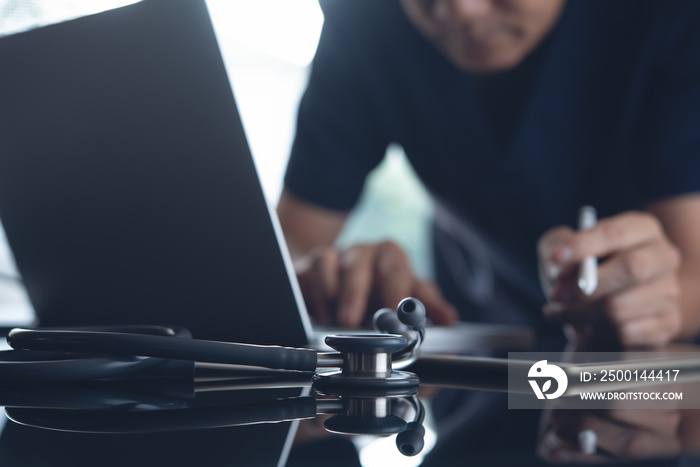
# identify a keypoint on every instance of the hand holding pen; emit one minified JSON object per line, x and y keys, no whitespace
{"x":617,"y":276}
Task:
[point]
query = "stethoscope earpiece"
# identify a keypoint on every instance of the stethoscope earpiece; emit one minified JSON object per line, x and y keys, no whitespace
{"x":411,"y":440}
{"x":411,"y":312}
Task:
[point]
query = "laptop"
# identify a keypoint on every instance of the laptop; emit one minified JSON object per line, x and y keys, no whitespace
{"x":128,"y":195}
{"x":127,"y":189}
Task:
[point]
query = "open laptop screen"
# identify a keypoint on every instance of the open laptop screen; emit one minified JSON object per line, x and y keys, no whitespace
{"x":127,"y":190}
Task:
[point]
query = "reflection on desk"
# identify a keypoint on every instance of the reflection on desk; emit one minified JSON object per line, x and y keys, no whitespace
{"x":247,"y":420}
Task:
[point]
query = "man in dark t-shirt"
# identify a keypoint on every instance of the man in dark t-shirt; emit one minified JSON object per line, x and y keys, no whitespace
{"x":514,"y":114}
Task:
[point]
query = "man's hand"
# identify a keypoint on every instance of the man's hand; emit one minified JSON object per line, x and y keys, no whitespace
{"x":342,"y":286}
{"x":621,"y":434}
{"x":637,"y":299}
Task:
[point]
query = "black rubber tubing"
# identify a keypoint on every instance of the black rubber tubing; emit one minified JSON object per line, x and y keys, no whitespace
{"x":117,"y":343}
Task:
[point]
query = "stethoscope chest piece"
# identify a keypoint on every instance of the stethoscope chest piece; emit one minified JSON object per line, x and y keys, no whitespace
{"x":367,"y":363}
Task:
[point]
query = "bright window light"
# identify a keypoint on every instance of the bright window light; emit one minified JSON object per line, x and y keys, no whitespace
{"x":20,"y":15}
{"x":284,"y":29}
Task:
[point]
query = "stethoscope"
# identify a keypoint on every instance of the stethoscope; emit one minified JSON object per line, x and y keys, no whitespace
{"x":138,"y":406}
{"x":89,"y":353}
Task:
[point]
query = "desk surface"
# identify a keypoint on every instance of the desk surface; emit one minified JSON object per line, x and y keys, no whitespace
{"x":187,"y":423}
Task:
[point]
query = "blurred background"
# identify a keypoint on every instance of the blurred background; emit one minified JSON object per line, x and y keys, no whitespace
{"x":268,"y":47}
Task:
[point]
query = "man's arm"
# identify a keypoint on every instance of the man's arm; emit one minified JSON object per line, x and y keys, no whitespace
{"x":647,"y":293}
{"x":341,"y":285}
{"x":307,"y":226}
{"x":680,"y":217}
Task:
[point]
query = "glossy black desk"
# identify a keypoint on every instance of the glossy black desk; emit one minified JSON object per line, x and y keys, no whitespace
{"x":186,"y":423}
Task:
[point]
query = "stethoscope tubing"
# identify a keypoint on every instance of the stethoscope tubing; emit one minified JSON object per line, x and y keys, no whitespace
{"x":54,"y":367}
{"x":120,"y":343}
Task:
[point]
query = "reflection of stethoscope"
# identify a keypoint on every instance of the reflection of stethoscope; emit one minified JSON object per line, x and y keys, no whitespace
{"x":121,"y":407}
{"x":364,"y":361}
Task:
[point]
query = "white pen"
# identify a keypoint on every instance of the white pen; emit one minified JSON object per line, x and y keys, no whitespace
{"x":587,"y":441}
{"x":588,"y":271}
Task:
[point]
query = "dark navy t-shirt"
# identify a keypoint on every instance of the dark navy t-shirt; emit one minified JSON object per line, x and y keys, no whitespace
{"x":611,"y":118}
